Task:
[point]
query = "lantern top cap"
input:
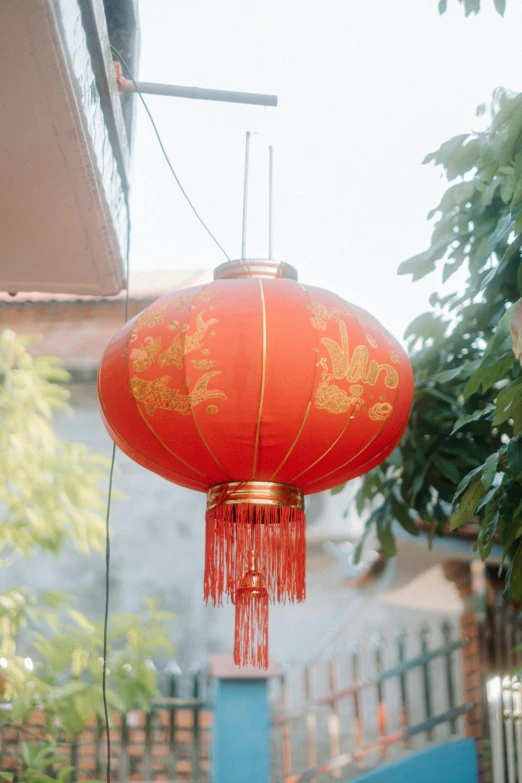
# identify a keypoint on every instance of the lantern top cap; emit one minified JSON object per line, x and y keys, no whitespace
{"x":254,"y":267}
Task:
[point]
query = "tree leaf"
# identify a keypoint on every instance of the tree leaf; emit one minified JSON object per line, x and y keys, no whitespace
{"x":486,"y":538}
{"x":500,"y":5}
{"x":489,"y":470}
{"x":448,"y":375}
{"x":466,"y":418}
{"x":81,"y":620}
{"x":471,"y":7}
{"x":516,"y":201}
{"x":447,"y":468}
{"x":514,"y":453}
{"x":508,"y":402}
{"x":465,"y":482}
{"x":423,"y":263}
{"x":515,"y":583}
{"x":468,"y":504}
{"x":386,"y":540}
{"x":456,"y":195}
{"x":487,"y":497}
{"x":515,"y":322}
{"x":502,"y":231}
{"x":514,"y":138}
{"x":64,"y":774}
{"x":400,"y":511}
{"x":487,"y":375}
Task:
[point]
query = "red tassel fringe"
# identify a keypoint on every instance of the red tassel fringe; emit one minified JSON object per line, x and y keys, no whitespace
{"x":251,"y":629}
{"x":275,"y":533}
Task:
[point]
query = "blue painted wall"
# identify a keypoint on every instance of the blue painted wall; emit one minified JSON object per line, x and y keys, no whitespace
{"x":241,"y":732}
{"x":454,"y":762}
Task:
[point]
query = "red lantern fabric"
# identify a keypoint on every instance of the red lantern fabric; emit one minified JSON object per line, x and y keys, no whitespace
{"x":255,"y":379}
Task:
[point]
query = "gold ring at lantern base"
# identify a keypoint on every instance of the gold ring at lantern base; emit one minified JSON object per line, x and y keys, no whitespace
{"x":267,"y":493}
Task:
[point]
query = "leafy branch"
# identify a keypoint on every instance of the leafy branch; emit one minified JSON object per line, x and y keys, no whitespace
{"x":461,"y":456}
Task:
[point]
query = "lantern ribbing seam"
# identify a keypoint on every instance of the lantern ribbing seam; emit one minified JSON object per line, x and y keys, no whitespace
{"x":263,"y":378}
{"x":194,"y":418}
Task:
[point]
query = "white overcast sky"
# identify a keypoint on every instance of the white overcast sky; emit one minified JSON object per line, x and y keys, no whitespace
{"x":366,"y":88}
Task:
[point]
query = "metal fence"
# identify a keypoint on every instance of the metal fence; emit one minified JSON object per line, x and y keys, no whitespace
{"x":504,"y":697}
{"x":171,"y":741}
{"x":335,"y":717}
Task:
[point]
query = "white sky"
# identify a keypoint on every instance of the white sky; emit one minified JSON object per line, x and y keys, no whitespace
{"x":366,"y":88}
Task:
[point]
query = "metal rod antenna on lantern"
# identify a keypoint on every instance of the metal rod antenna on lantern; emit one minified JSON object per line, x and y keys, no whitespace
{"x":270,"y":199}
{"x":245,"y":195}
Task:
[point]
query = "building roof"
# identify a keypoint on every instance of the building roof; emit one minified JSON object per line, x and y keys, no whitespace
{"x":77,"y":329}
{"x":143,"y":284}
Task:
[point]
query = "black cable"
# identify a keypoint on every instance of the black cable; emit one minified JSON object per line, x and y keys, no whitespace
{"x":107,"y":527}
{"x":171,"y":167}
{"x":106,"y":614}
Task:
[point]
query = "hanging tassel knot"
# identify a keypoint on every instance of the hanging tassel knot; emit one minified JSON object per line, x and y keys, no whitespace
{"x":251,"y":624}
{"x":263,"y":524}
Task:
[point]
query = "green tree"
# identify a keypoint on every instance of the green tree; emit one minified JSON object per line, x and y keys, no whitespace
{"x":49,"y":489}
{"x":50,"y":496}
{"x":65,"y":675}
{"x":36,"y":760}
{"x":461,"y":457}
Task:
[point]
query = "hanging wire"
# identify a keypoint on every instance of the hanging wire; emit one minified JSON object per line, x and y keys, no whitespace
{"x":107,"y":525}
{"x":106,"y":613}
{"x":164,"y":151}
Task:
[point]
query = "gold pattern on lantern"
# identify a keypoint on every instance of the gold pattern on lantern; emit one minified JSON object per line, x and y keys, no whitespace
{"x":380,"y":411}
{"x":323,"y":313}
{"x":394,"y":356}
{"x":181,"y":345}
{"x":144,"y":356}
{"x":157,"y":394}
{"x":334,"y":399}
{"x":150,"y":318}
{"x":318,"y":323}
{"x":212,"y":409}
{"x":371,"y":341}
{"x":187,"y":303}
{"x":202,"y":365}
{"x":357,"y":368}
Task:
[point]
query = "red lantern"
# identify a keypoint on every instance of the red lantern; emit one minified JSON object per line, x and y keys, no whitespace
{"x":257,"y":390}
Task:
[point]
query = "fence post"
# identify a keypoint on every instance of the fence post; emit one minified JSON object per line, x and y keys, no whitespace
{"x":241,"y":747}
{"x":405,"y":712}
{"x":496,"y":722}
{"x":470,"y":580}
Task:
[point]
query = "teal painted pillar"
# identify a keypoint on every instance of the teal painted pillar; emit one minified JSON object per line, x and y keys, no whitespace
{"x":242,"y":721}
